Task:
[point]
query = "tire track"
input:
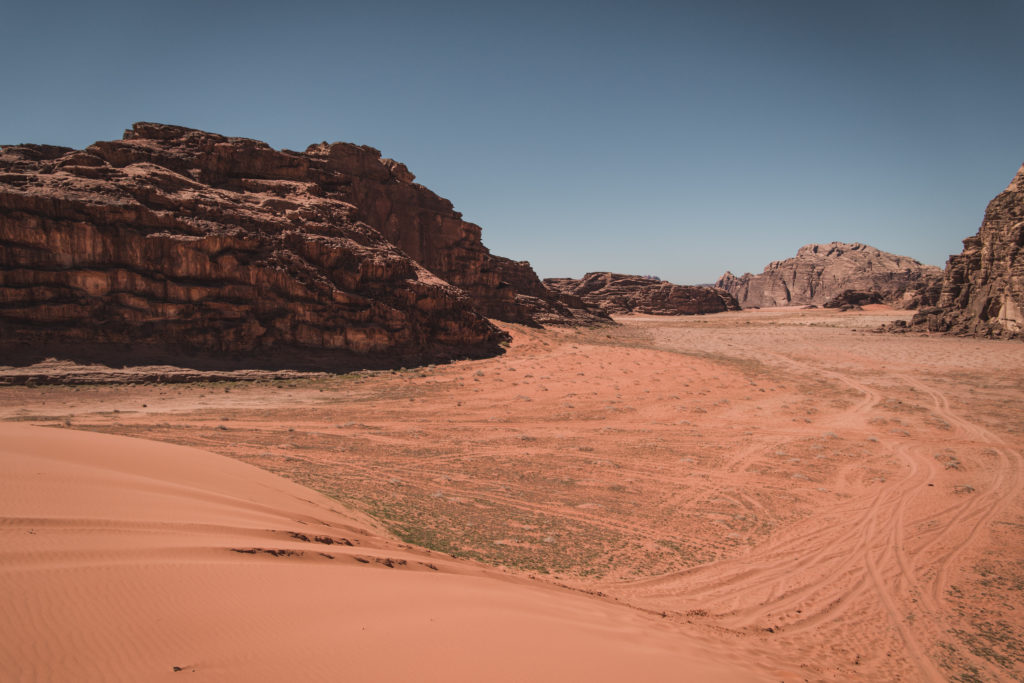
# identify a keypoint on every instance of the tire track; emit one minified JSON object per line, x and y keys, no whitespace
{"x":858,"y":559}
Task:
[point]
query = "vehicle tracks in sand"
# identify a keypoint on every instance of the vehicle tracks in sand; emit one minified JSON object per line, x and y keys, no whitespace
{"x":885,"y":557}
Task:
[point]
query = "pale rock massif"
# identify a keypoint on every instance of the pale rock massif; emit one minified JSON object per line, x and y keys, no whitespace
{"x":820,"y":272}
{"x":175,"y":239}
{"x":617,"y":293}
{"x":983,"y":288}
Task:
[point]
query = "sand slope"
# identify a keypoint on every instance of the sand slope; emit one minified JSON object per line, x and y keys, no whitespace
{"x":122,"y":559}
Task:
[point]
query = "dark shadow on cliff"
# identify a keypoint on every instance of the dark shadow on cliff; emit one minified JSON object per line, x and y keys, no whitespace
{"x":163,"y":364}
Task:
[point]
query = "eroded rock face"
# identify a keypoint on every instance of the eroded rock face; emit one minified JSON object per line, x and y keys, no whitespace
{"x":853,"y":297}
{"x":175,"y":240}
{"x":427,"y":228}
{"x":820,"y":272}
{"x":617,"y":293}
{"x":983,"y":288}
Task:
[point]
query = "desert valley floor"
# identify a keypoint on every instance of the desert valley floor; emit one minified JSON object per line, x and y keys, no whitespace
{"x":774,"y":494}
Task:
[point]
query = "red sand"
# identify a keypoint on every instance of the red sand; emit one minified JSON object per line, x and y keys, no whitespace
{"x":800,"y":498}
{"x":119,"y":562}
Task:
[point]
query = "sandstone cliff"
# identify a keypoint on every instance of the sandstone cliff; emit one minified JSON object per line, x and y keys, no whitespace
{"x":427,"y":228}
{"x":379,"y":192}
{"x":175,"y":240}
{"x":820,"y":272}
{"x":617,"y":293}
{"x":983,"y":287}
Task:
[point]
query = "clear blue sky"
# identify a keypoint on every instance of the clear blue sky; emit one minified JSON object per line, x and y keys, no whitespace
{"x":677,"y":139}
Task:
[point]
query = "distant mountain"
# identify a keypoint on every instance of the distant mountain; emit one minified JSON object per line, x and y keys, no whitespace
{"x":820,"y":272}
{"x":618,"y":293}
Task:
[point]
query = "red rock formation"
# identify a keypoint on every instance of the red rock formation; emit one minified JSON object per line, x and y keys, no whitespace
{"x":426,"y":227}
{"x":177,"y":240}
{"x":819,"y":272}
{"x":616,"y":293}
{"x":381,"y":193}
{"x":853,"y":298}
{"x":983,"y":287}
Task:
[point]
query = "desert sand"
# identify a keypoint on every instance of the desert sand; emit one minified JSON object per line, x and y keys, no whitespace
{"x":779,"y":494}
{"x":130,"y":560}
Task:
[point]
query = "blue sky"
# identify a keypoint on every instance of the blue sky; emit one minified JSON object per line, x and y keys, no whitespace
{"x":677,"y":139}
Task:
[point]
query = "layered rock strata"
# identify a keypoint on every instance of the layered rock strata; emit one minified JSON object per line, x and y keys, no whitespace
{"x":176,"y":240}
{"x":427,"y":228}
{"x":820,"y":272}
{"x":615,"y":293}
{"x":983,"y":287}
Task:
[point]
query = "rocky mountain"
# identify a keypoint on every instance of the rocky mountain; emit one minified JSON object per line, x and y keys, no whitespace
{"x":427,"y":228}
{"x":617,"y":293}
{"x":820,"y":272}
{"x":983,"y":287}
{"x":174,"y":238}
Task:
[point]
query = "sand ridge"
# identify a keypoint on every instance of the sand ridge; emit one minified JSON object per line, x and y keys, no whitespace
{"x":131,"y":560}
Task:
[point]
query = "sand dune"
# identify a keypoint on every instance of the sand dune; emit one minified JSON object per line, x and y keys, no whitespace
{"x":131,"y":560}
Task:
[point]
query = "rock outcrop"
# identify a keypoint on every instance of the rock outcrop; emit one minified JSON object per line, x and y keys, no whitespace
{"x":820,"y":272}
{"x":852,"y":297}
{"x":427,"y":228}
{"x":178,"y":241}
{"x":617,"y":293}
{"x":983,"y":287}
